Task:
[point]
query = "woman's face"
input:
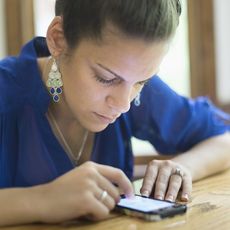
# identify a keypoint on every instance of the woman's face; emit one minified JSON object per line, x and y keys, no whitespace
{"x":101,"y":79}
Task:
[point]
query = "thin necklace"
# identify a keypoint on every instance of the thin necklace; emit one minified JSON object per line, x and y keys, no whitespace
{"x":74,"y":157}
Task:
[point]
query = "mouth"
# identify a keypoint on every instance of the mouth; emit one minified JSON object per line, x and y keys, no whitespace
{"x":105,"y":118}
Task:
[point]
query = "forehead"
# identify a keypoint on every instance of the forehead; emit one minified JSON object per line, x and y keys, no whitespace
{"x":124,"y":54}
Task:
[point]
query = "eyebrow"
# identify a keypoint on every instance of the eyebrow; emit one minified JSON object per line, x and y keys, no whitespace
{"x":110,"y":71}
{"x":116,"y":75}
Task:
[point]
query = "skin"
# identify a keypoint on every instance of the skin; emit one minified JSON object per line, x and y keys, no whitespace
{"x":83,"y":185}
{"x":89,"y":103}
{"x":113,"y":71}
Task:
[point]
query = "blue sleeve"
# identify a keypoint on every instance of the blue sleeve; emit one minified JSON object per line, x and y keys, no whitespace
{"x":173,"y":123}
{"x":12,"y":91}
{"x":8,"y":148}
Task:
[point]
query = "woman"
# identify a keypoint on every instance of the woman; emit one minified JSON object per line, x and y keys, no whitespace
{"x":74,"y":98}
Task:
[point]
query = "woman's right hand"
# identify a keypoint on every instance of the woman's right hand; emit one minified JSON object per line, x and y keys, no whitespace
{"x":78,"y":193}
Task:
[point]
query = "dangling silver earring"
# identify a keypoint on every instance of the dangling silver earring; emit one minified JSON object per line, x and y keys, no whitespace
{"x":54,"y":82}
{"x":137,"y":100}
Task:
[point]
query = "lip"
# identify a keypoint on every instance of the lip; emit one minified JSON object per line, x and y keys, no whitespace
{"x":106,"y":119}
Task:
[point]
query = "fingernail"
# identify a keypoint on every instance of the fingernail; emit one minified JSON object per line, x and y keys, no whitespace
{"x":169,"y":198}
{"x":159,"y":197}
{"x":145,"y":193}
{"x":184,"y":197}
{"x":130,"y":196}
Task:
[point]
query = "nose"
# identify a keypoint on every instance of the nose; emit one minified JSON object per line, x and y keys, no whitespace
{"x":119,"y":100}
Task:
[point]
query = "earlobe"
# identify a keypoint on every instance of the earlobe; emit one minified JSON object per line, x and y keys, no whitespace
{"x":55,"y":37}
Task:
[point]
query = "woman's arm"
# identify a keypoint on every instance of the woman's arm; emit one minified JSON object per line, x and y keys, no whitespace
{"x":206,"y":158}
{"x":175,"y":124}
{"x":19,"y":205}
{"x":87,"y":190}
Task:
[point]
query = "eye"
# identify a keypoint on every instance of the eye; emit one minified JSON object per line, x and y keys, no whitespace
{"x":104,"y":81}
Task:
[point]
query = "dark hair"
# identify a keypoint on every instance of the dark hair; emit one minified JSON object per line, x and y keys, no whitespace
{"x":148,"y":19}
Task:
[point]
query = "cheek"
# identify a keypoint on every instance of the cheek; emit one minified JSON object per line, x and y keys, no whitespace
{"x":91,"y":93}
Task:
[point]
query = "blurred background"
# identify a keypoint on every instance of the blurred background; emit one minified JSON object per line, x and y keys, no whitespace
{"x":197,"y":63}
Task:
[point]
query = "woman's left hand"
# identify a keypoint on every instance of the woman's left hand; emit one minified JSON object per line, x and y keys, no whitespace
{"x":165,"y":178}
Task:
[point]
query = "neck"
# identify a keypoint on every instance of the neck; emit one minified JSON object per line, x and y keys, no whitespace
{"x":61,"y":110}
{"x":74,"y":149}
{"x":69,"y":125}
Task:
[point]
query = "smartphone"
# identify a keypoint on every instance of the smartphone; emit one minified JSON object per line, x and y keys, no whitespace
{"x":148,"y":208}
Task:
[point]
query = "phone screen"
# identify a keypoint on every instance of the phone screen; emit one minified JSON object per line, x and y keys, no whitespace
{"x":143,"y":204}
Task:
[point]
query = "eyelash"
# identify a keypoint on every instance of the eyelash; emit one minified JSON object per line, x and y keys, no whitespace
{"x":105,"y":82}
{"x":110,"y":82}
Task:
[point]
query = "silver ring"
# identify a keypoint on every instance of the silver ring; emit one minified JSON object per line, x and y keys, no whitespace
{"x":103,"y":195}
{"x":178,"y":172}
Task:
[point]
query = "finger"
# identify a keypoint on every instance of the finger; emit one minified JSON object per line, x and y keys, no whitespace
{"x":149,"y":179}
{"x":118,"y":177}
{"x":107,"y":200}
{"x":162,"y":183}
{"x":106,"y":185}
{"x":186,"y":188}
{"x":174,"y":187}
{"x":103,"y":195}
{"x":98,"y":210}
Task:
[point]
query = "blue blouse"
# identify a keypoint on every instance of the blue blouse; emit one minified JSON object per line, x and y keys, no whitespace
{"x":30,"y":154}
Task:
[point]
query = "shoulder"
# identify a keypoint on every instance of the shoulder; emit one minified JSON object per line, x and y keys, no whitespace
{"x":20,"y":79}
{"x":16,"y":82}
{"x":10,"y":84}
{"x":192,"y":120}
{"x":157,"y":96}
{"x":158,"y":89}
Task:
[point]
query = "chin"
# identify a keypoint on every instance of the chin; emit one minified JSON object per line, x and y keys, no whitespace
{"x":97,"y":128}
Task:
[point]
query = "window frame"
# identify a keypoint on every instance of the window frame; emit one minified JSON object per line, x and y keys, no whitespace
{"x":19,"y":24}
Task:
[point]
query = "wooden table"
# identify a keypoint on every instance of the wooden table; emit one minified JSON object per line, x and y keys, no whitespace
{"x":209,"y":209}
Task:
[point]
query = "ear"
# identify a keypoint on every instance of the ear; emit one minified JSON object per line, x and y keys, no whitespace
{"x":55,"y":38}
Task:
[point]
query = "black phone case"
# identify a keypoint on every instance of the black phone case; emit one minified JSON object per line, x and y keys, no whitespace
{"x":156,"y":215}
